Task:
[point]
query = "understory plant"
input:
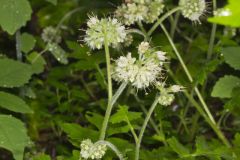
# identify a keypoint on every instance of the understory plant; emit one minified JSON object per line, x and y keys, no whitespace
{"x":129,"y":79}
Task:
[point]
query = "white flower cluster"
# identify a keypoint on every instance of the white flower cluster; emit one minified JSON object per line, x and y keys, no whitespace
{"x":142,"y":72}
{"x":193,"y":9}
{"x":222,"y":12}
{"x":51,"y":35}
{"x":106,"y":29}
{"x":140,"y":10}
{"x":92,"y":151}
{"x":167,"y":94}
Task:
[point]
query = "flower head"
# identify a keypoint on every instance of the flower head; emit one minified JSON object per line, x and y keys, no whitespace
{"x":106,"y":29}
{"x":193,"y":9}
{"x":92,"y":151}
{"x":143,"y":47}
{"x":148,"y":73}
{"x":140,"y":10}
{"x":167,"y":93}
{"x":51,"y":35}
{"x":142,"y":72}
{"x":125,"y":69}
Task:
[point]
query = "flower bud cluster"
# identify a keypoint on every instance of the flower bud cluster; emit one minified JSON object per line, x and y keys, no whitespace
{"x":193,"y":9}
{"x":92,"y":151}
{"x":104,"y":30}
{"x":51,"y":35}
{"x":222,"y":12}
{"x":142,"y":72}
{"x":140,"y":10}
{"x":167,"y":94}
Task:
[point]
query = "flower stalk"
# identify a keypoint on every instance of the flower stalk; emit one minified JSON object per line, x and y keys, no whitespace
{"x":149,"y":114}
{"x":109,"y":82}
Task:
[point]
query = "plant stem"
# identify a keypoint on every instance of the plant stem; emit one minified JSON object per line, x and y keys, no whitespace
{"x":188,"y":74}
{"x":201,"y":111}
{"x":174,"y":25}
{"x":109,"y":81}
{"x":214,"y":126}
{"x":109,"y":110}
{"x":68,"y":15}
{"x":154,"y":125}
{"x":160,"y":20}
{"x":144,"y":127}
{"x":140,"y":25}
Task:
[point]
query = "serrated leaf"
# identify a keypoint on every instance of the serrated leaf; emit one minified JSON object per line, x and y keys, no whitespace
{"x":232,"y":56}
{"x":27,"y":42}
{"x":178,"y":147}
{"x":58,"y":53}
{"x":224,"y":86}
{"x":13,"y":103}
{"x":123,"y":115}
{"x":14,"y":14}
{"x":14,"y":73}
{"x":37,"y":61}
{"x":13,"y":136}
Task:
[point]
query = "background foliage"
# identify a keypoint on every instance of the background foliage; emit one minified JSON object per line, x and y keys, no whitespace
{"x":52,"y":99}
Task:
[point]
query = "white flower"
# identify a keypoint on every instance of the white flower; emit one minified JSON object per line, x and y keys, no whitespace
{"x":51,"y":35}
{"x":161,"y":55}
{"x":222,"y":12}
{"x":106,"y":29}
{"x":193,"y":9}
{"x":166,"y":99}
{"x":148,"y":74}
{"x":125,"y":69}
{"x":143,"y":47}
{"x":140,"y":10}
{"x":93,"y":151}
{"x":176,"y":88}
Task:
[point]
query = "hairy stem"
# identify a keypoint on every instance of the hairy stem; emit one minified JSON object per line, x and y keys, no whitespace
{"x":109,"y":110}
{"x":188,"y":74}
{"x":149,"y":114}
{"x":109,"y":81}
{"x":174,"y":25}
{"x":203,"y":114}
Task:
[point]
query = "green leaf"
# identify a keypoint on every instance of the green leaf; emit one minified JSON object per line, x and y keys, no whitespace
{"x":14,"y":73}
{"x":58,"y":53}
{"x":78,"y":133}
{"x":123,"y":115}
{"x":52,"y":1}
{"x":42,"y":157}
{"x":27,"y":42}
{"x":95,"y":119}
{"x":14,"y":14}
{"x":178,"y":147}
{"x":13,"y":103}
{"x":232,"y":56}
{"x":13,"y":136}
{"x":229,"y":15}
{"x":224,"y":86}
{"x":37,"y":61}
